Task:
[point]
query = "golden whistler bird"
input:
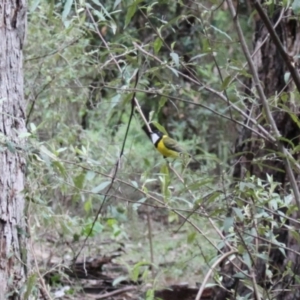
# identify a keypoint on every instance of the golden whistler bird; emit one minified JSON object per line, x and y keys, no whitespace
{"x":165,"y":145}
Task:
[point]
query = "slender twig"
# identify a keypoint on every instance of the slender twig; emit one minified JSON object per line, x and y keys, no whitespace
{"x":154,"y":28}
{"x":212,"y":268}
{"x":117,"y":292}
{"x":255,"y":287}
{"x":203,"y":210}
{"x":264,"y":133}
{"x":216,"y":64}
{"x":44,"y":288}
{"x":149,"y":224}
{"x":265,"y":104}
{"x":251,"y":271}
{"x":139,"y":109}
{"x":103,"y":39}
{"x":118,"y":162}
{"x":55,"y":51}
{"x":134,"y":102}
{"x":33,"y":101}
{"x":107,"y":62}
{"x":115,"y":170}
{"x":196,"y":82}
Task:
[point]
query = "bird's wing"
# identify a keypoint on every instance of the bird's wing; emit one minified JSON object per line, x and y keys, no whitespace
{"x":172,"y":144}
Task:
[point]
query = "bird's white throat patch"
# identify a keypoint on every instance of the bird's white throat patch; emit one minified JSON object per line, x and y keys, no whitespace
{"x":155,"y":137}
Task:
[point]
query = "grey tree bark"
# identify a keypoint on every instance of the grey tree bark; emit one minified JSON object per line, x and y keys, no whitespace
{"x":13,"y":261}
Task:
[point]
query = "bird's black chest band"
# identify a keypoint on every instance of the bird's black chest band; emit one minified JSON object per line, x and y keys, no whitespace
{"x":156,"y":143}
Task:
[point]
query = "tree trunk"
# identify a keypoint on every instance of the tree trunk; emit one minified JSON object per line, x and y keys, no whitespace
{"x":259,"y":158}
{"x":13,"y":261}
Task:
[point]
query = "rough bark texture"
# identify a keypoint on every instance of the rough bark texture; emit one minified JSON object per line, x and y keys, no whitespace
{"x":12,"y":122}
{"x":260,"y":158}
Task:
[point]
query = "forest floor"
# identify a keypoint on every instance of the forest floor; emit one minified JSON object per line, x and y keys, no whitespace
{"x":150,"y":256}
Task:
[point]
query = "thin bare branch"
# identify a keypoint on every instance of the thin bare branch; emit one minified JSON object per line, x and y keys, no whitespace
{"x":208,"y":274}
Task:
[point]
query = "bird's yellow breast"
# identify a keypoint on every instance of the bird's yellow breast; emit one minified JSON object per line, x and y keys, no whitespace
{"x":164,"y":150}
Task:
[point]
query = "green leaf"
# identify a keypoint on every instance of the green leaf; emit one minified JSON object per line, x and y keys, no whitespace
{"x":174,"y":71}
{"x":173,"y":217}
{"x":117,"y":2}
{"x":135,"y":184}
{"x":247,"y":259}
{"x":191,"y":237}
{"x":296,"y":6}
{"x":113,"y":27}
{"x":97,"y":2}
{"x":157,"y":44}
{"x":287,"y":76}
{"x":119,"y":280}
{"x":79,"y":180}
{"x":115,"y":100}
{"x":67,"y":9}
{"x":76,"y":237}
{"x":136,"y":270}
{"x":240,"y":275}
{"x":295,"y":235}
{"x":32,"y":127}
{"x":59,"y":167}
{"x":160,"y":127}
{"x":96,"y":229}
{"x":150,"y":294}
{"x":44,"y":150}
{"x":197,"y":184}
{"x":87,"y":206}
{"x":90,"y":175}
{"x":137,"y":204}
{"x":130,"y":13}
{"x":164,"y":170}
{"x":198,"y":56}
{"x":151,"y":115}
{"x":228,"y":223}
{"x":162,"y":102}
{"x":173,"y":45}
{"x":295,"y":119}
{"x":111,"y":222}
{"x":127,"y":99}
{"x":220,"y":31}
{"x":34,"y":5}
{"x":225,"y":83}
{"x":50,"y":9}
{"x":60,"y":150}
{"x":175,"y":58}
{"x":100,"y":187}
{"x":165,"y":181}
{"x":239,"y":213}
{"x":213,"y":196}
{"x":24,"y":135}
{"x":31,"y":281}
